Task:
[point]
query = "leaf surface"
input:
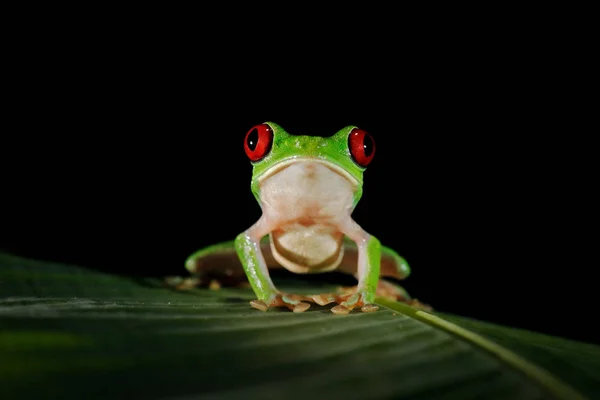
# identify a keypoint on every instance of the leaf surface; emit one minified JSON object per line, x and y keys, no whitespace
{"x":73,"y":333}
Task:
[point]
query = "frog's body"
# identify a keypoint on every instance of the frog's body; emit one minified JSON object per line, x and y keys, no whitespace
{"x":307,"y":188}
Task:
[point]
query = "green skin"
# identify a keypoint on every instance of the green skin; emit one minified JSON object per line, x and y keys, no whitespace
{"x":250,"y":244}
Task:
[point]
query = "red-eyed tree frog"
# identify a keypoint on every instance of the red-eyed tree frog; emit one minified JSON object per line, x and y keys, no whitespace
{"x":307,"y":188}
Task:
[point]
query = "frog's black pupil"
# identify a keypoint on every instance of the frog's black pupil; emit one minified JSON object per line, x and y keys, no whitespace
{"x":368,"y":145}
{"x":253,"y":139}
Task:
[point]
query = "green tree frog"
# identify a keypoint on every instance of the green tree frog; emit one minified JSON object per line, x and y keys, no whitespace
{"x":307,"y":188}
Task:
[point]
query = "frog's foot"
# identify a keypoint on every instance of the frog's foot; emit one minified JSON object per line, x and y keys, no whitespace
{"x":351,"y":298}
{"x":296,"y":303}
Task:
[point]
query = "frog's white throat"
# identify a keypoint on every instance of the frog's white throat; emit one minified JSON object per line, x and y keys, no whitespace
{"x":294,"y":160}
{"x":303,"y":201}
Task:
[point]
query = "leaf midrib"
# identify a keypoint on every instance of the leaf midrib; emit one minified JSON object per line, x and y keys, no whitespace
{"x":539,"y":375}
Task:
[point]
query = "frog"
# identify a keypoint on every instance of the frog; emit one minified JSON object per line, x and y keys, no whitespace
{"x":307,"y":188}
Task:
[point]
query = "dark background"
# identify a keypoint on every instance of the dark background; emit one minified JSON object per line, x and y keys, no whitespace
{"x":127,"y":155}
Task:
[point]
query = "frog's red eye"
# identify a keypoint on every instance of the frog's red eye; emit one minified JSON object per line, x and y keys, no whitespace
{"x":362,"y":146}
{"x":258,"y":142}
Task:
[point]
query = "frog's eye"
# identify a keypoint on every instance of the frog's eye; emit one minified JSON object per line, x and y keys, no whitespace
{"x":362,"y":146}
{"x":258,"y":142}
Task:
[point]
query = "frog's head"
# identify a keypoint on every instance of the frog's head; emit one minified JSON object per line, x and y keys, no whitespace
{"x":270,"y":148}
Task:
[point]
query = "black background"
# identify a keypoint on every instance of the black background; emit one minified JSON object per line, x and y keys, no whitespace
{"x":127,"y":155}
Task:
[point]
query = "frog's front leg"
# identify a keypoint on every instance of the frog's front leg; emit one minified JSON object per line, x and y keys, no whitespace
{"x":247,"y":247}
{"x":369,"y":262}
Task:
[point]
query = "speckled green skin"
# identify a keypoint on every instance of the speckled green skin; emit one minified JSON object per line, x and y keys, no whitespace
{"x":250,"y":256}
{"x":373,"y":265}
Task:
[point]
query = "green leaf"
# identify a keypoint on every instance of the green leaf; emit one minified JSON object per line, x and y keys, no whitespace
{"x":73,"y":333}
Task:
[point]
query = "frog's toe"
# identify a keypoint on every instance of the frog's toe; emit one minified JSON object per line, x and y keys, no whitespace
{"x":293,"y":302}
{"x":369,"y":308}
{"x":354,"y":299}
{"x":340,"y":310}
{"x":324,"y":298}
{"x":301,"y":307}
{"x":259,"y":305}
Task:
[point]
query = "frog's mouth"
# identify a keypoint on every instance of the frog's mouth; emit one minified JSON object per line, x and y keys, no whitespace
{"x":286,"y":163}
